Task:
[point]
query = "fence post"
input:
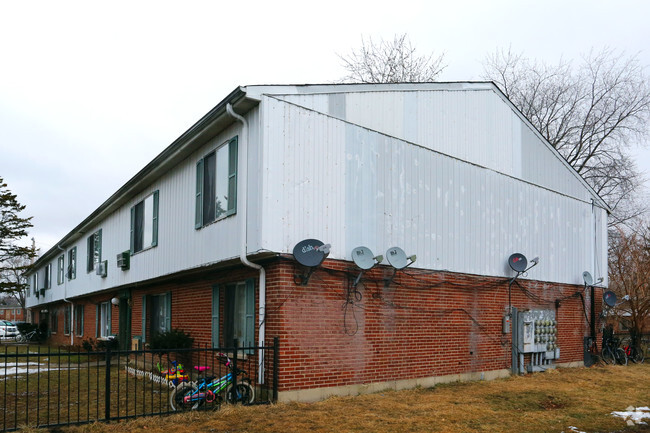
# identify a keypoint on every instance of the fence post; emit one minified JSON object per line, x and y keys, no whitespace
{"x":107,"y":384}
{"x":234,"y":373}
{"x":276,"y":364}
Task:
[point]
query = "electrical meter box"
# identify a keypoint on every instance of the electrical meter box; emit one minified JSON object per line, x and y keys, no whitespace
{"x":537,"y":332}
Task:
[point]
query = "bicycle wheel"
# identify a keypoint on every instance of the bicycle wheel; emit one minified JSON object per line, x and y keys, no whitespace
{"x":637,"y":356}
{"x":606,"y":355}
{"x":20,"y":338}
{"x":244,"y":393}
{"x":179,"y":398}
{"x":620,"y":356}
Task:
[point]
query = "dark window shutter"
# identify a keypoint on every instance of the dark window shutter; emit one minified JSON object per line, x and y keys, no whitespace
{"x":145,"y":299}
{"x":250,"y":313}
{"x":232,"y":176}
{"x":198,"y":219}
{"x":215,"y":315}
{"x":154,"y":240}
{"x":132,"y":229}
{"x":168,"y":307}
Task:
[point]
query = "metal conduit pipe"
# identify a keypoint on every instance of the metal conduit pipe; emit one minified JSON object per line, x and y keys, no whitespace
{"x":242,"y":180}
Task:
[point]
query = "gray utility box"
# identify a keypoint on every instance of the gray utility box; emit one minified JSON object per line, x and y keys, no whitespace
{"x":537,"y":336}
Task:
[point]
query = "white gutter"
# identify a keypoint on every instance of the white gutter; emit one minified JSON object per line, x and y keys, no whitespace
{"x":242,"y":197}
{"x":65,"y":299}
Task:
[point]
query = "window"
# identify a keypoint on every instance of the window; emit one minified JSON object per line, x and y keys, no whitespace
{"x":144,"y":224}
{"x":47,"y":280}
{"x":66,"y":320}
{"x":35,"y":282}
{"x":156,"y":314}
{"x":103,"y":325}
{"x":60,"y":269}
{"x":216,"y":184}
{"x":79,"y":320}
{"x":238,"y":313}
{"x":54,"y":320}
{"x":72,"y":263}
{"x":94,"y":250}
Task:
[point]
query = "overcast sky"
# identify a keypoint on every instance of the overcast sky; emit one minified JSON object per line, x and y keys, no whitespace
{"x":90,"y":92}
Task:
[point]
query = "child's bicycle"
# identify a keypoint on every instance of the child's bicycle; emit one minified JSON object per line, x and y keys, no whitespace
{"x":192,"y":395}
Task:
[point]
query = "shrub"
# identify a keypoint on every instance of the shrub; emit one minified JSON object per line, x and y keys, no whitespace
{"x":174,"y":339}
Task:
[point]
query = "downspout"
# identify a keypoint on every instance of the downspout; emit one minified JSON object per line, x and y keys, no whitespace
{"x":242,"y":180}
{"x":65,"y":299}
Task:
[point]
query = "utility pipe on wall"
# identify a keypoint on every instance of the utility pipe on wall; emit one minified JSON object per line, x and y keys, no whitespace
{"x":242,"y":197}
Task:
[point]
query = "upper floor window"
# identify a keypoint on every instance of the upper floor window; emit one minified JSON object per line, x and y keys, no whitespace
{"x":144,"y":224}
{"x":94,"y":250}
{"x":35,"y":282}
{"x":216,"y":184}
{"x":60,"y":269}
{"x":47,"y":280}
{"x":72,"y":263}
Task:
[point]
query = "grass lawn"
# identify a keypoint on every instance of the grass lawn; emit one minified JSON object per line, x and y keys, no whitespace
{"x":554,"y":401}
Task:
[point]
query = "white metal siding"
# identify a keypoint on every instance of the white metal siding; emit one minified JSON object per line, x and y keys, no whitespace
{"x":350,"y":186}
{"x":476,"y":126}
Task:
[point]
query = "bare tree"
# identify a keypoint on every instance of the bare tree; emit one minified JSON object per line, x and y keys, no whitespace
{"x":390,"y":62}
{"x":591,"y":114}
{"x":12,"y":278}
{"x":629,"y":278}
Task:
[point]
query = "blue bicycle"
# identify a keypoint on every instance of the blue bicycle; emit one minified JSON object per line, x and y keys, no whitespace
{"x":192,"y":395}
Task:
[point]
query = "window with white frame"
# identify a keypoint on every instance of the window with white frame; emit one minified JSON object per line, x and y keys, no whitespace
{"x":47,"y":280}
{"x":60,"y":269}
{"x":104,"y":319}
{"x":156,"y":314}
{"x":144,"y":223}
{"x":216,"y":184}
{"x":236,"y":314}
{"x":66,"y":319}
{"x":94,"y":243}
{"x":72,"y":263}
{"x":79,"y":320}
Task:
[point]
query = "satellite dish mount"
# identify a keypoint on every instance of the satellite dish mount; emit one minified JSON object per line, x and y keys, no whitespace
{"x":310,"y":253}
{"x":364,"y":259}
{"x":398,"y":260}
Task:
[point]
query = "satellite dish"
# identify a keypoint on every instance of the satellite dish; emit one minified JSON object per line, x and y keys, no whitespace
{"x":609,"y":298}
{"x":518,"y":262}
{"x":310,"y":252}
{"x":396,"y":257}
{"x":589,"y":280}
{"x":363,"y":258}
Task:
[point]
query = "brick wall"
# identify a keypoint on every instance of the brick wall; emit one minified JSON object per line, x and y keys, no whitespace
{"x":422,"y":324}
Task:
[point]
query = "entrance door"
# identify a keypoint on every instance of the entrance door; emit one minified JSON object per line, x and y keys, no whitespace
{"x":124,"y":331}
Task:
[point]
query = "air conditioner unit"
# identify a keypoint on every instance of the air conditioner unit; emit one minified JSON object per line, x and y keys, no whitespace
{"x":102,"y":269}
{"x":123,"y":260}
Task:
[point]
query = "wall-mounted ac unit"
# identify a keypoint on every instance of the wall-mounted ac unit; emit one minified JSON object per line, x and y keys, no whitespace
{"x":102,"y":269}
{"x":124,"y":260}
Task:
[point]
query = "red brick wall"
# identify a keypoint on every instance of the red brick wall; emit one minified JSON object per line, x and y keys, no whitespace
{"x":423,"y":324}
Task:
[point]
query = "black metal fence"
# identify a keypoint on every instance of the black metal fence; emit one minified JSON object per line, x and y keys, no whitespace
{"x":45,"y":388}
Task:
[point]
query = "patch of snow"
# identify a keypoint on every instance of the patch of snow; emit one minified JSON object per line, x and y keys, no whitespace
{"x":634,"y":415}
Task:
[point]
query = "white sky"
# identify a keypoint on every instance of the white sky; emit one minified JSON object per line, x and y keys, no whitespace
{"x":90,"y":92}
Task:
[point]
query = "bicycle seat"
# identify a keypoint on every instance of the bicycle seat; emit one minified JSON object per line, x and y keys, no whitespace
{"x":201,"y":368}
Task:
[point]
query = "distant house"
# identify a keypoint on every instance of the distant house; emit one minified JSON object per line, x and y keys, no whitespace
{"x":202,"y":239}
{"x":11,"y":310}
